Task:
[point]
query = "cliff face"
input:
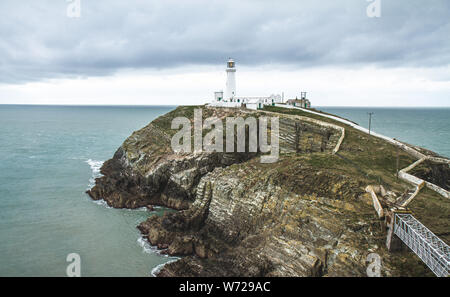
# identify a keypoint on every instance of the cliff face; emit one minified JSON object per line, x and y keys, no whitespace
{"x":144,"y":170}
{"x":305,"y":215}
{"x":254,"y":219}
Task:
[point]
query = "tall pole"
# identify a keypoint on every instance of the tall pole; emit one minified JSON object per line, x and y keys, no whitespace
{"x":398,"y":160}
{"x":370,"y":120}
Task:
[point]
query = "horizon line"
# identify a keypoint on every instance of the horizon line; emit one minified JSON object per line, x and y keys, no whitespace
{"x":150,"y":105}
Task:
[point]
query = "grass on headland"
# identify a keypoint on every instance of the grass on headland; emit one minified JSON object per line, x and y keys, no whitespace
{"x":375,"y":160}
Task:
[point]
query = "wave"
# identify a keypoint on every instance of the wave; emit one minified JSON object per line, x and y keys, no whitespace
{"x":95,"y":167}
{"x":146,"y":247}
{"x":101,"y":203}
{"x":150,"y":249}
{"x":158,"y":268}
{"x":137,"y":209}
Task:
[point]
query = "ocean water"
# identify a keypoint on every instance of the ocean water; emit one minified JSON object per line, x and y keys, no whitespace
{"x":425,"y":127}
{"x":48,"y":158}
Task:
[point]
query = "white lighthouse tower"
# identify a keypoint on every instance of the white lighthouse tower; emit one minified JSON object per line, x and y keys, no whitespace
{"x":230,"y":90}
{"x":230,"y":100}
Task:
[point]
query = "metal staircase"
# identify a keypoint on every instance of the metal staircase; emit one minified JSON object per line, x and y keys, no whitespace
{"x":434,"y":252}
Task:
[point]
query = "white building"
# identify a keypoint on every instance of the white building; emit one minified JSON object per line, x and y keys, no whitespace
{"x":218,"y":96}
{"x":229,"y":98}
{"x":230,"y":90}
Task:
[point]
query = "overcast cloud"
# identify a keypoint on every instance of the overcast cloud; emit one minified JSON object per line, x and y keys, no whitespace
{"x":174,"y":52}
{"x":39,"y":41}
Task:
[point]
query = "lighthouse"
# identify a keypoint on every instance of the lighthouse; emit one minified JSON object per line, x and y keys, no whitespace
{"x":230,"y":90}
{"x":230,"y":100}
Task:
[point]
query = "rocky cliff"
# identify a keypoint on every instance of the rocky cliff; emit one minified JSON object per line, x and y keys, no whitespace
{"x":305,"y":215}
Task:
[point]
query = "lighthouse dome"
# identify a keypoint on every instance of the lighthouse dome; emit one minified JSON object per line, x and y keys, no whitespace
{"x":230,"y":63}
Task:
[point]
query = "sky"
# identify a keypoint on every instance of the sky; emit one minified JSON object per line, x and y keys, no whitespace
{"x":171,"y":52}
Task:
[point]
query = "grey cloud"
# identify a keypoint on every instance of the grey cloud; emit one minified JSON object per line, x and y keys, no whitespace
{"x":39,"y":41}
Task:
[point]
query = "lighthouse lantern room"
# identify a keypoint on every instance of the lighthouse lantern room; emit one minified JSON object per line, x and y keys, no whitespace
{"x":230,"y":91}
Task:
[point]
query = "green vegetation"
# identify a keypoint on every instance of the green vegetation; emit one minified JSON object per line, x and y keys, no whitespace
{"x":165,"y":122}
{"x":374,"y":160}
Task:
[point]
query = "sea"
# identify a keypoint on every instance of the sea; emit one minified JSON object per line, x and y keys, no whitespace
{"x":425,"y":127}
{"x":50,"y":155}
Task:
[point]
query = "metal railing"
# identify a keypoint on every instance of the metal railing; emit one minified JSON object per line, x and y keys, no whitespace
{"x":434,"y":252}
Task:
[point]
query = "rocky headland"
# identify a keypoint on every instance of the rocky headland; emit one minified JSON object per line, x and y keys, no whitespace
{"x":306,"y":215}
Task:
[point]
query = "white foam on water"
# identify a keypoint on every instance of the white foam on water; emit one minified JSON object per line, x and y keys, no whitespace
{"x":95,"y":167}
{"x":149,"y":249}
{"x":146,"y":247}
{"x":137,"y":209}
{"x":101,"y":203}
{"x":158,"y":268}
